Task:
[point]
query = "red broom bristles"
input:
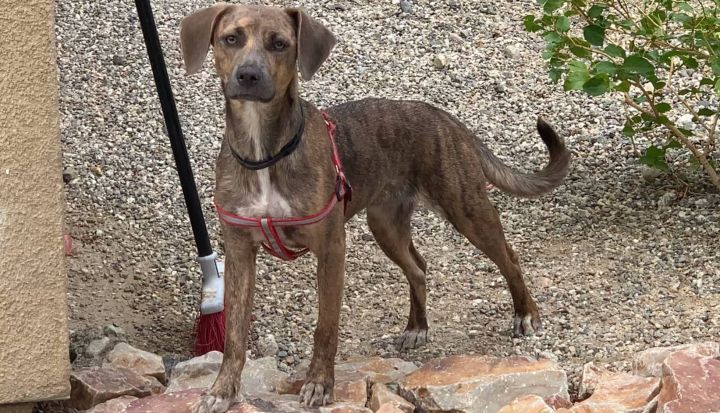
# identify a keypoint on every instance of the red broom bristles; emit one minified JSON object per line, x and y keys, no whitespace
{"x":210,"y":333}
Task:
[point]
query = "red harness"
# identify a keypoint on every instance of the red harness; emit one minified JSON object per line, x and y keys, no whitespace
{"x":273,"y":243}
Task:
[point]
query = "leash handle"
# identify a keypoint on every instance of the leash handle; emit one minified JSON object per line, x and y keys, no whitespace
{"x":172,"y":123}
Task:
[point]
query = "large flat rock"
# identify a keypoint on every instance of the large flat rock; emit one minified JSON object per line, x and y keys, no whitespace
{"x":382,"y":396}
{"x":183,"y":402}
{"x":196,"y":373}
{"x":114,"y":405}
{"x":481,"y":384}
{"x":527,"y":404}
{"x":621,"y":393}
{"x":92,"y":386}
{"x":690,"y":384}
{"x":259,"y":376}
{"x":142,"y":362}
{"x":649,"y":362}
{"x":372,"y":370}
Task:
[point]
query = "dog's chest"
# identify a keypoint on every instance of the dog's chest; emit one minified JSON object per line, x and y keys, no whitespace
{"x":260,"y":200}
{"x":253,"y":194}
{"x":264,"y":201}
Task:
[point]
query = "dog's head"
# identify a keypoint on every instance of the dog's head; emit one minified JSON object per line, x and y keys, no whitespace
{"x":258,"y":50}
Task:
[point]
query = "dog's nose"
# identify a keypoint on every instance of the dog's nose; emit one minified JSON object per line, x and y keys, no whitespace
{"x":249,"y":75}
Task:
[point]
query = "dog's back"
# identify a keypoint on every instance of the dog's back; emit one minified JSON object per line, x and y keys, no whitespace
{"x":403,"y":145}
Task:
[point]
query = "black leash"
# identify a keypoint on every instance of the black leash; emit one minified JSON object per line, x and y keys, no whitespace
{"x":172,"y":123}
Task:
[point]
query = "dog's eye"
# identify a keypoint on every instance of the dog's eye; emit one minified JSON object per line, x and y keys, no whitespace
{"x":231,"y":40}
{"x":279,"y":45}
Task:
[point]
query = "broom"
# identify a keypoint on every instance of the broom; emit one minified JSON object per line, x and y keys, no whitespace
{"x":210,"y":324}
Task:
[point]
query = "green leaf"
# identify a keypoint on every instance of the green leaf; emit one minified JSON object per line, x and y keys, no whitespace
{"x":686,"y":132}
{"x":562,"y":24}
{"x":531,"y":25}
{"x":658,"y":16}
{"x":715,"y":65}
{"x":654,"y":157}
{"x":558,"y":60}
{"x":552,"y":39}
{"x":663,"y":107}
{"x":597,"y":85}
{"x":623,"y":86}
{"x":706,"y":81}
{"x":683,"y":92}
{"x":626,"y":24}
{"x":663,"y":120}
{"x":595,"y":11}
{"x":614,"y":51}
{"x":658,"y":84}
{"x":706,"y":112}
{"x":636,"y":64}
{"x":689,"y":62}
{"x":579,"y":47}
{"x":555,"y":75}
{"x":577,"y":75}
{"x":672,"y":144}
{"x":653,"y":55}
{"x":685,"y":7}
{"x":680,"y":18}
{"x":628,"y":130}
{"x":717,"y":87}
{"x":604,"y":66}
{"x":550,"y":6}
{"x":595,"y":35}
{"x":580,"y":52}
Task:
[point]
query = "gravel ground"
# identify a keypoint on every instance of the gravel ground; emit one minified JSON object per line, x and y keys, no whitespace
{"x":615,"y":260}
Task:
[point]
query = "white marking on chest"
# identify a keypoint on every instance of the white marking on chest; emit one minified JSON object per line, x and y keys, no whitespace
{"x":267,"y":201}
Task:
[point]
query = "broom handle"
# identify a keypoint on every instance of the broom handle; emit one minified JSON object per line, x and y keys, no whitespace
{"x":172,"y":123}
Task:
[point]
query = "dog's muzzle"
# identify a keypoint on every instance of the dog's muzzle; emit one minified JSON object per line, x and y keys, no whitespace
{"x":250,"y":82}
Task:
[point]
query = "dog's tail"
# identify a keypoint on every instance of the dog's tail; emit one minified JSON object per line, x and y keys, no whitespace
{"x":529,"y":185}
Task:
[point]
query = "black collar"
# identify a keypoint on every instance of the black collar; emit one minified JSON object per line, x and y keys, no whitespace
{"x":272,"y":160}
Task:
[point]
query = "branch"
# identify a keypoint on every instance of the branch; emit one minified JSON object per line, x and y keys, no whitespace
{"x":590,"y":49}
{"x":714,"y":178}
{"x":710,"y":146}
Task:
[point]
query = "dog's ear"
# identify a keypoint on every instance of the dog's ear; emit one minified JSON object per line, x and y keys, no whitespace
{"x":314,"y":42}
{"x":196,"y":31}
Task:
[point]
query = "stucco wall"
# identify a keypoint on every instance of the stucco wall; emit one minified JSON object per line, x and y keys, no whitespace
{"x":34,"y":361}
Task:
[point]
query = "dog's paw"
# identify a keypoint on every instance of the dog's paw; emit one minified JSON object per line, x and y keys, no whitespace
{"x":213,"y":404}
{"x":316,"y":394}
{"x":410,"y":339}
{"x":526,"y":325}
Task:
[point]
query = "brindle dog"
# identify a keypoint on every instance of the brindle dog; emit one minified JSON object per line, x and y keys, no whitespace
{"x":395,"y":153}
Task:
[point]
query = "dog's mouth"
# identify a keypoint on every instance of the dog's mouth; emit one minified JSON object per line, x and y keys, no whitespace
{"x":250,"y":97}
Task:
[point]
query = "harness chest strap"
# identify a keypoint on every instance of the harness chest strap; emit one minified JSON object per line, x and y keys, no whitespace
{"x":273,"y":243}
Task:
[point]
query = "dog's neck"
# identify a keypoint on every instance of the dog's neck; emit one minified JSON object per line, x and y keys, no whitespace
{"x":257,"y":130}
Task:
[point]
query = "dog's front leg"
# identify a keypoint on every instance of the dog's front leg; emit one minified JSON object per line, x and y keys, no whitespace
{"x":318,"y":387}
{"x":239,"y":288}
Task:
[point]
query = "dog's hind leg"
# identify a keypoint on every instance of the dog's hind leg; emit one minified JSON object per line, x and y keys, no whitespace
{"x":479,"y":222}
{"x":390,"y":225}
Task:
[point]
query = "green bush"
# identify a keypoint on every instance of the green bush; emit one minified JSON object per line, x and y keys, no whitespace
{"x":661,"y":56}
